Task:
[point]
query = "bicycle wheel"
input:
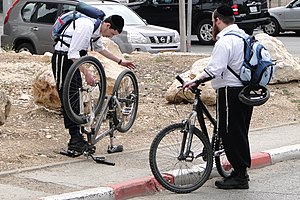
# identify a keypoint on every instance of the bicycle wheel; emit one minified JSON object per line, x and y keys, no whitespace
{"x":223,"y":166}
{"x":174,"y":173}
{"x":80,"y":100}
{"x":126,"y":91}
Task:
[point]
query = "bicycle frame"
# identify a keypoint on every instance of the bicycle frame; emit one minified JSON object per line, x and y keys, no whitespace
{"x":198,"y":150}
{"x":95,"y":120}
{"x":199,"y":110}
{"x":88,"y":106}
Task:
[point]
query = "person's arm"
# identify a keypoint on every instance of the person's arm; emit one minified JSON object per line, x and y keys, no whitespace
{"x":192,"y":82}
{"x":114,"y":58}
{"x":87,"y":74}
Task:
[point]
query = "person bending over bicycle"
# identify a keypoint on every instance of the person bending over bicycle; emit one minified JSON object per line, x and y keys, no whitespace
{"x":233,"y":116}
{"x":76,"y":46}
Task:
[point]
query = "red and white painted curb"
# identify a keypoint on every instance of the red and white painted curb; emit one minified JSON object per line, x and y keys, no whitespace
{"x":148,"y":185}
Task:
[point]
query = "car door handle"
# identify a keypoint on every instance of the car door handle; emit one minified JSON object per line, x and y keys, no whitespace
{"x":35,"y":28}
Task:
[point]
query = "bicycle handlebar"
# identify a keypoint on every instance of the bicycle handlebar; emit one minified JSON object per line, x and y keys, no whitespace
{"x":197,"y":82}
{"x":180,"y":79}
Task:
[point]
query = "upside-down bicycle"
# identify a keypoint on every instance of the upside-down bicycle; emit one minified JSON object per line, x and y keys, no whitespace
{"x":181,"y":155}
{"x":99,"y":114}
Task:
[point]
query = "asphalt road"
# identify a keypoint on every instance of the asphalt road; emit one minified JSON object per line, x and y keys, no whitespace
{"x":289,"y":39}
{"x":275,"y":182}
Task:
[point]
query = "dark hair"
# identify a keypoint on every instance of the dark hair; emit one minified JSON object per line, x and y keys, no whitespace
{"x":225,"y":14}
{"x":116,"y":22}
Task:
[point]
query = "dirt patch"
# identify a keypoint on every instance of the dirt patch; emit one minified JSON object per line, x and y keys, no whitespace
{"x":32,"y":135}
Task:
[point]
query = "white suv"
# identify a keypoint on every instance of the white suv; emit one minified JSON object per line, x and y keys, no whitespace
{"x":27,"y":27}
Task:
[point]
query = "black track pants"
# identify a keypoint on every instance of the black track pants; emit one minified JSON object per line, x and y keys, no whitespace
{"x":233,"y":125}
{"x":60,"y":66}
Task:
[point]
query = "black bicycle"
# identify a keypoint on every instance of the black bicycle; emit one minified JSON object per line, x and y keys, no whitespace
{"x":100,"y":114}
{"x":181,"y":155}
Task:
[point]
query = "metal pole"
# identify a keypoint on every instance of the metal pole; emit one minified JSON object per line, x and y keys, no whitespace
{"x":182,"y":26}
{"x":189,"y":25}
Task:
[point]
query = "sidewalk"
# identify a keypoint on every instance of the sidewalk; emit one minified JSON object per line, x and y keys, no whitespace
{"x":131,"y":176}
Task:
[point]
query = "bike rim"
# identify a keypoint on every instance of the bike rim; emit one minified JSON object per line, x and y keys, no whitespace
{"x":180,"y":176}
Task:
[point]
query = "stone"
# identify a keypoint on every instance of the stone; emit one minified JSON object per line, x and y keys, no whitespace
{"x":5,"y":106}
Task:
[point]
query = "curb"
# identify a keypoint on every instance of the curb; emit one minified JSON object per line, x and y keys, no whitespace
{"x":148,"y":185}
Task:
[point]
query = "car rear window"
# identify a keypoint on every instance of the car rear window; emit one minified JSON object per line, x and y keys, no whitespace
{"x":27,"y":12}
{"x":66,"y":8}
{"x":40,"y":12}
{"x":47,"y":12}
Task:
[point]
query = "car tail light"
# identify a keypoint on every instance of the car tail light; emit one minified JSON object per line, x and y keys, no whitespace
{"x":235,"y":9}
{"x":9,"y":10}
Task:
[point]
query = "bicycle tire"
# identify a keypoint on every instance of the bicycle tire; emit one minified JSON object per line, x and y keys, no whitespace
{"x":223,"y":166}
{"x":75,"y":82}
{"x":175,"y":175}
{"x":126,"y":91}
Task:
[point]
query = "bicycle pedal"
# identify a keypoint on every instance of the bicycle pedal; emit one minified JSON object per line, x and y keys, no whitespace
{"x":70,"y":153}
{"x":115,"y":149}
{"x":126,"y":111}
{"x":102,"y":160}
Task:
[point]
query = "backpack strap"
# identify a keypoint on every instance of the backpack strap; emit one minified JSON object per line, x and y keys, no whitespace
{"x":245,"y":48}
{"x":97,"y":24}
{"x":62,"y":35}
{"x":234,"y":73}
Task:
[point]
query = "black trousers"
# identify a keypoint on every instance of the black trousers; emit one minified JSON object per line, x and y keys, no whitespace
{"x":60,"y":67}
{"x":233,"y":125}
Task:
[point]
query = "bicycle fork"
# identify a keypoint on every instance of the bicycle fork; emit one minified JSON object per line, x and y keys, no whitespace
{"x":185,"y":152}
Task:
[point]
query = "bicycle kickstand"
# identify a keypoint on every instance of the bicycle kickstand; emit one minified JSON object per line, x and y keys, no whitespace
{"x":111,"y":148}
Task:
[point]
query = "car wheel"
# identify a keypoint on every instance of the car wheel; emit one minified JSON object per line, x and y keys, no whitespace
{"x":25,"y":47}
{"x":272,"y":28}
{"x":204,"y":32}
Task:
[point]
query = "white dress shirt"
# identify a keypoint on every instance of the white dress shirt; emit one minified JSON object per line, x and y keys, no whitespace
{"x":228,"y":50}
{"x":80,"y":37}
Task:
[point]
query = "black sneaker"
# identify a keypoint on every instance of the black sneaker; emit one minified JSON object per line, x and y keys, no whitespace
{"x":233,"y":173}
{"x":78,"y":145}
{"x":233,"y":182}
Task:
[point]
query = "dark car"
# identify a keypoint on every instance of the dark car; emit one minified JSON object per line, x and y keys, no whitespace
{"x":249,"y":14}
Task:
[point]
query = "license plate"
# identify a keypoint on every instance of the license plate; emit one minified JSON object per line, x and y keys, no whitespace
{"x":253,"y":9}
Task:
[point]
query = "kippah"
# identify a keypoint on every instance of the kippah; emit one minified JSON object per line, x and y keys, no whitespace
{"x":117,"y":22}
{"x":225,"y":10}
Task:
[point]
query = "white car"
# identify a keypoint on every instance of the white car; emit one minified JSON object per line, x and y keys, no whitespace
{"x":285,"y":18}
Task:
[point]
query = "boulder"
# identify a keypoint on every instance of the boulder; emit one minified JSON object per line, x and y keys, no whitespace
{"x":287,"y":66}
{"x":287,"y":69}
{"x":44,"y":89}
{"x":5,"y":105}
